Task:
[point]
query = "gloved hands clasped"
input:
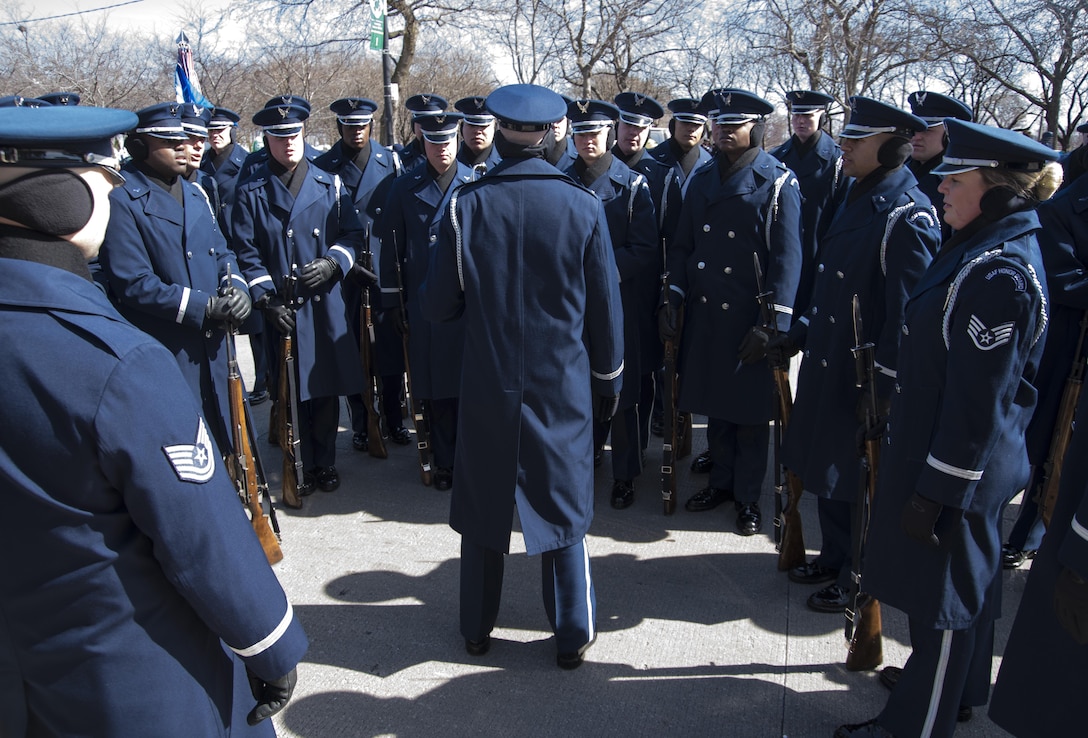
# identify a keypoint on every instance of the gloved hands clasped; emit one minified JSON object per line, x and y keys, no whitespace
{"x":780,"y":349}
{"x":920,"y":518}
{"x":319,"y":271}
{"x":604,"y":407}
{"x":233,"y":307}
{"x":668,"y":323}
{"x":276,"y":314}
{"x":271,"y":696}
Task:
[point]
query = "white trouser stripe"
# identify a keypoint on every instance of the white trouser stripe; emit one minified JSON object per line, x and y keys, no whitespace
{"x":938,"y":684}
{"x":589,"y":591}
{"x":265,"y":643}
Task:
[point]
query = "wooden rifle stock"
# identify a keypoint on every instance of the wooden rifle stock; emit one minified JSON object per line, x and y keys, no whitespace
{"x":863,"y":624}
{"x":375,"y":443}
{"x":1063,"y":431}
{"x":419,"y":418}
{"x":287,"y":412}
{"x":791,"y":546}
{"x":244,"y":461}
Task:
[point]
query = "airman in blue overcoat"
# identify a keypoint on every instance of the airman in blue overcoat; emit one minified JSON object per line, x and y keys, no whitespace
{"x":294,"y":219}
{"x":143,"y":601}
{"x":632,"y":225}
{"x":223,"y":159}
{"x":683,"y":150}
{"x":543,"y":336}
{"x":477,"y":150}
{"x":928,"y":146}
{"x":953,"y":454}
{"x":409,"y":230}
{"x":745,"y":202}
{"x":880,"y":241}
{"x":167,"y":261}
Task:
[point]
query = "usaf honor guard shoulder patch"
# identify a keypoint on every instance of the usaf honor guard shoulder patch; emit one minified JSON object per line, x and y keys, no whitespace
{"x":987,"y":339}
{"x":193,"y":462}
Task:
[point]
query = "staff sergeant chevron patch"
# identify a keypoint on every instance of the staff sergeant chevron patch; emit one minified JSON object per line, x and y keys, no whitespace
{"x":988,"y":338}
{"x":193,"y":462}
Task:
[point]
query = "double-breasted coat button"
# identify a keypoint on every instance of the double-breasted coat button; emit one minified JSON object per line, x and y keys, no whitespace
{"x":211,"y":251}
{"x":731,"y":234}
{"x":823,"y":362}
{"x":433,"y":238}
{"x":840,"y":275}
{"x":725,"y":306}
{"x":188,"y":254}
{"x":701,"y":265}
{"x":906,"y":331}
{"x":820,"y":268}
{"x":831,"y":319}
{"x":290,"y":232}
{"x":706,"y":228}
{"x":317,"y":232}
{"x":703,"y":299}
{"x":728,"y":270}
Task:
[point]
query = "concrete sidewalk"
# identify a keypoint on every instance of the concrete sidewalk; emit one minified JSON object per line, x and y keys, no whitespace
{"x":699,"y":634}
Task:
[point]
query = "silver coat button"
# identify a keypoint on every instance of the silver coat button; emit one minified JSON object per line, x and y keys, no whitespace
{"x":188,"y":254}
{"x":290,"y":232}
{"x":725,"y":306}
{"x":906,"y":331}
{"x":832,"y":319}
{"x":731,"y":234}
{"x":317,"y":232}
{"x":433,"y":238}
{"x":701,"y":265}
{"x":728,"y":270}
{"x":706,"y":228}
{"x":703,"y":299}
{"x":820,"y":268}
{"x":823,"y":362}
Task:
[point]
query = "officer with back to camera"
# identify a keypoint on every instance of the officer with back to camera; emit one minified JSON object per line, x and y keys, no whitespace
{"x":144,"y":604}
{"x":543,"y":338}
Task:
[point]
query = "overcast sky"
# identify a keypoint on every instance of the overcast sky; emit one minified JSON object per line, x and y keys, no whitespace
{"x":158,"y":17}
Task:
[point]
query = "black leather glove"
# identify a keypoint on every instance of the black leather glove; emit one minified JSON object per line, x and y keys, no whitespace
{"x":920,"y":517}
{"x":277,"y":315}
{"x":361,"y":276}
{"x":875,"y":433}
{"x":780,"y":349}
{"x":232,"y":307}
{"x":271,"y":696}
{"x":1071,"y":604}
{"x":668,"y":327}
{"x":754,"y":346}
{"x":604,"y":407}
{"x":319,"y":271}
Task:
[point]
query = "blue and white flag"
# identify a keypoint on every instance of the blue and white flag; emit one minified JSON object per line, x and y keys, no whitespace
{"x":186,"y":84}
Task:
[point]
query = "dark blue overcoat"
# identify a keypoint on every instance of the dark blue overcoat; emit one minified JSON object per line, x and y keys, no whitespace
{"x":133,"y":567}
{"x":164,"y":263}
{"x":409,"y":231}
{"x":876,"y":248}
{"x":819,"y":174}
{"x":632,"y":225}
{"x":543,"y":334}
{"x":757,"y":210}
{"x":972,"y":337}
{"x":225,"y":172}
{"x":275,"y":235}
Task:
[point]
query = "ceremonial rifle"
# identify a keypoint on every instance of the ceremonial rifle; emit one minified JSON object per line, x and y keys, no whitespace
{"x":1063,"y":431}
{"x":863,"y":621}
{"x":375,"y":443}
{"x":247,"y":473}
{"x":789,"y":533}
{"x":287,"y":402}
{"x":671,"y":416}
{"x":419,"y":418}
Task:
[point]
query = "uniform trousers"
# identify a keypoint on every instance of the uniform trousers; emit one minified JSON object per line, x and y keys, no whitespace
{"x":318,"y":422}
{"x":570,"y":598}
{"x":1027,"y":531}
{"x":836,"y":533}
{"x":626,"y":453}
{"x":646,"y":401}
{"x":389,"y":406}
{"x":946,"y":669}
{"x":739,"y":453}
{"x":442,"y":423}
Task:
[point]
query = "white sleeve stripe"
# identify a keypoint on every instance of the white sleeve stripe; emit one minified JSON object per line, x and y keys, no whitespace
{"x":1079,"y":529}
{"x":803,"y":320}
{"x":268,"y":641}
{"x":970,"y":475}
{"x":782,"y":309}
{"x":340,"y":249}
{"x":185,"y":293}
{"x":677,"y":290}
{"x":391,"y":290}
{"x":885,"y":370}
{"x":261,"y":280}
{"x":613,"y":375}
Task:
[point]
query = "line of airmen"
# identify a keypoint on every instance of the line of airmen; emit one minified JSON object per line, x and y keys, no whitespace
{"x":808,"y":215}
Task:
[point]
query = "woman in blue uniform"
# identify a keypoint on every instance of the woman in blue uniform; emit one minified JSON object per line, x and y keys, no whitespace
{"x":953,"y":454}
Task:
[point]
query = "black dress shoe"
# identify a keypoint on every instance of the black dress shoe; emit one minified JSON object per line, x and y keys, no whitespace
{"x":708,"y":498}
{"x":574,"y":659}
{"x":478,"y":648}
{"x":308,"y":485}
{"x":623,"y":493}
{"x":1012,"y":557}
{"x":812,"y":573}
{"x":257,"y":397}
{"x":443,"y":479}
{"x":831,"y":598}
{"x":702,"y":464}
{"x":400,"y":435}
{"x":869,"y":729}
{"x":749,"y":519}
{"x":327,"y":478}
{"x":358,"y":441}
{"x":889,"y":677}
